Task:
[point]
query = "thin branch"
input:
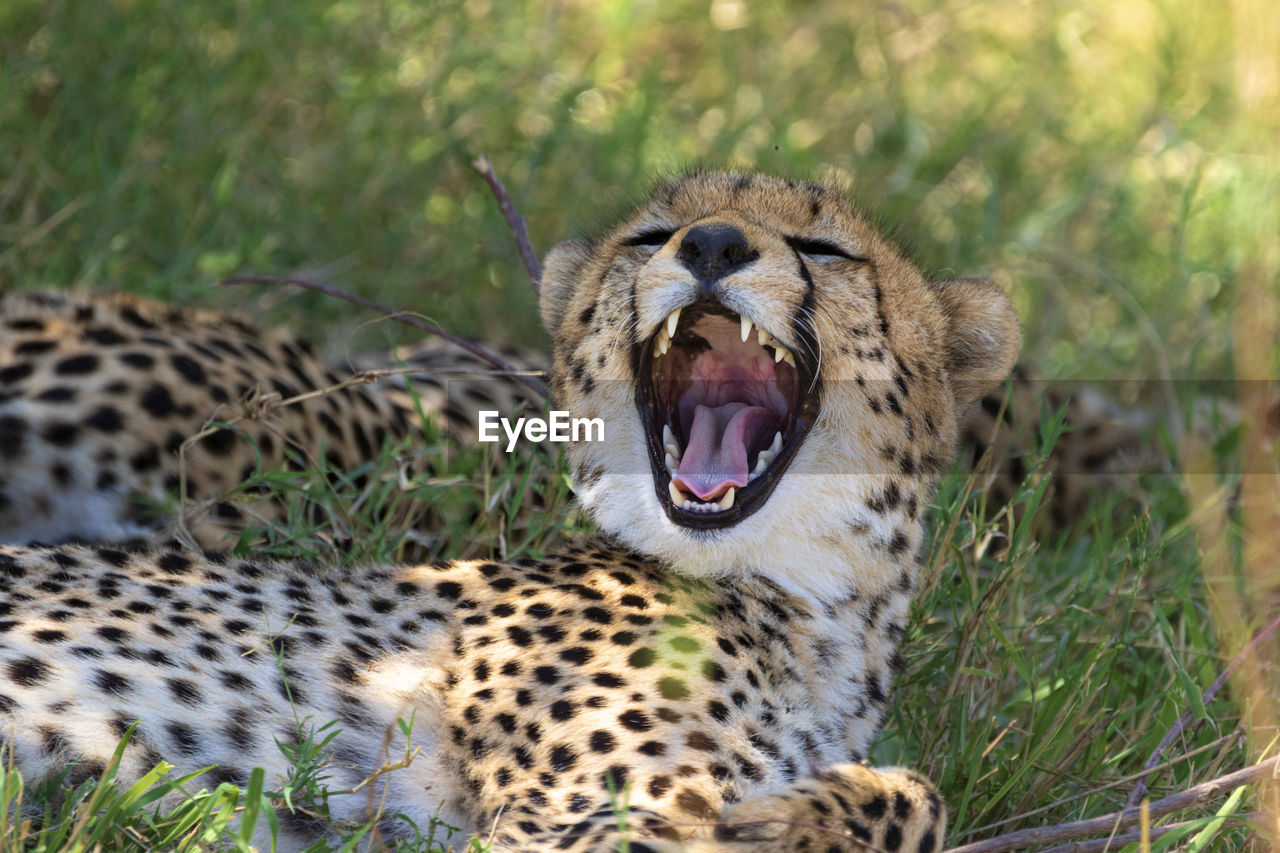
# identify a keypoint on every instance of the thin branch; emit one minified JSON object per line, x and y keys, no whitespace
{"x":400,"y":317}
{"x":1115,"y":783}
{"x":1193,"y":796}
{"x":516,"y":222}
{"x":1140,"y":789}
{"x":1101,"y":845}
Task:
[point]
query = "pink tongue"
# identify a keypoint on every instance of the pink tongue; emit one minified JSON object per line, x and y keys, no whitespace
{"x":716,"y":457}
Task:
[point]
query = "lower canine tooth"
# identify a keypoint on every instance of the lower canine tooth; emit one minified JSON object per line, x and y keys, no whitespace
{"x":676,"y":497}
{"x":777,"y":442}
{"x":672,"y":465}
{"x":727,"y":501}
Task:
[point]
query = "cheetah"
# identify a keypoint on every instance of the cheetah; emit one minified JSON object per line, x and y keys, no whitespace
{"x":780,"y":390}
{"x":100,"y":392}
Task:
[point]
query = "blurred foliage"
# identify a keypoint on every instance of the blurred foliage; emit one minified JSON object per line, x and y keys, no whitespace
{"x":1097,"y":158}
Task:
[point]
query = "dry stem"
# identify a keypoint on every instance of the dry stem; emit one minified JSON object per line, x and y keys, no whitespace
{"x":400,"y":317}
{"x":1193,"y":796}
{"x":516,"y":222}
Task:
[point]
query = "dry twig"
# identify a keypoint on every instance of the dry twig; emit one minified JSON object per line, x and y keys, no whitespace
{"x":401,"y":317}
{"x":1194,"y":796}
{"x":515,"y":221}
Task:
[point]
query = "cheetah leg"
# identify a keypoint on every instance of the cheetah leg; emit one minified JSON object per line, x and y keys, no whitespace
{"x":849,"y":808}
{"x":602,"y":831}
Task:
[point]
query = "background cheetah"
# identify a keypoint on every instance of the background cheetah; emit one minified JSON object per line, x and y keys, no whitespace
{"x":725,"y":658}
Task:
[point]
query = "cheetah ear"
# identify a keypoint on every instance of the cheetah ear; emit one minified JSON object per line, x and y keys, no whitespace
{"x":560,"y":271}
{"x":982,"y":337}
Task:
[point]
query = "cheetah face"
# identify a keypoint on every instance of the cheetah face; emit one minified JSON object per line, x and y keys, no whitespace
{"x":766,"y":364}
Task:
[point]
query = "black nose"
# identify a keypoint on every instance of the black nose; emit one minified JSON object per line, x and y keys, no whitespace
{"x":713,"y":251}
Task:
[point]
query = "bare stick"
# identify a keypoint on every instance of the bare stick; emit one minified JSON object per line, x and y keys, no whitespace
{"x":515,"y":221}
{"x":408,"y":319}
{"x":1140,"y":789}
{"x":1193,"y":796}
{"x":1102,"y":845}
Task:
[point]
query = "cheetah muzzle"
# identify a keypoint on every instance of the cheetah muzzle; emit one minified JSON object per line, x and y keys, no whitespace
{"x":724,"y":404}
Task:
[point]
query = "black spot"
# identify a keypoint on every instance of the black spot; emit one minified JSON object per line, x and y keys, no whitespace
{"x":157,"y":401}
{"x":659,"y":786}
{"x":635,"y":720}
{"x":184,"y":691}
{"x":105,"y":418}
{"x":111,"y":683}
{"x":875,"y":807}
{"x":184,"y":738}
{"x":602,"y":741}
{"x":188,"y":367}
{"x":105,"y":337}
{"x":563,"y":758}
{"x":76,"y":365}
{"x":28,"y":671}
{"x":13,"y":433}
{"x":60,"y":433}
{"x":57,"y":394}
{"x":140,"y":360}
{"x":219,"y":443}
{"x":15,"y":373}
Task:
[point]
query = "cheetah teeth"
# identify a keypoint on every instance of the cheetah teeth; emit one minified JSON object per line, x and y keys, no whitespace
{"x":667,"y":331}
{"x":746,"y":327}
{"x":766,"y":457}
{"x":678,"y":498}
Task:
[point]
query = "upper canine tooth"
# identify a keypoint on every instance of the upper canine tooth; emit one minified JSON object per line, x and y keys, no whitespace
{"x":789,"y":358}
{"x":764,"y":337}
{"x":673,"y":320}
{"x":780,"y":353}
{"x":672,"y":465}
{"x":746,"y":327}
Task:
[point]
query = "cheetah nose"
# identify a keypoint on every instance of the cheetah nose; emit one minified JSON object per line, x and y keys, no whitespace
{"x":713,"y":251}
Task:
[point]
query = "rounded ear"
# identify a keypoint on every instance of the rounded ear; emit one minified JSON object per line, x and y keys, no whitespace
{"x":982,"y":337}
{"x":560,"y":270}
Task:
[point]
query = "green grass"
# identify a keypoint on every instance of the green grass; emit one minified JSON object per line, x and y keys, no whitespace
{"x":1111,"y":164}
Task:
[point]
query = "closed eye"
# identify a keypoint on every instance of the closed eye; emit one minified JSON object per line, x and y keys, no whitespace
{"x":653,"y":237}
{"x":821,"y":249}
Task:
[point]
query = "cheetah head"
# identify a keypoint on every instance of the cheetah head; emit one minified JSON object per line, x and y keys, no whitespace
{"x":779,"y":386}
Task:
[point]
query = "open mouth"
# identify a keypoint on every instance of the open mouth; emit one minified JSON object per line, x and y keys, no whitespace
{"x":725,"y":406}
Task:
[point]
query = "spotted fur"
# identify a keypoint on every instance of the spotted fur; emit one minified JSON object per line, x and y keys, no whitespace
{"x":728,"y":681}
{"x":100,"y":392}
